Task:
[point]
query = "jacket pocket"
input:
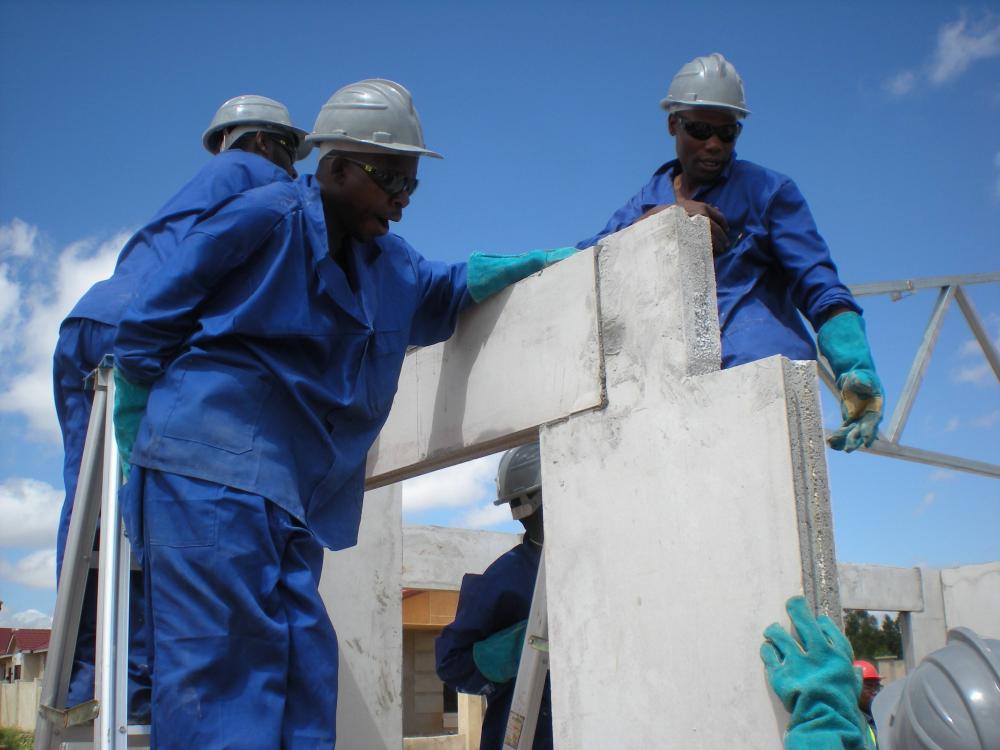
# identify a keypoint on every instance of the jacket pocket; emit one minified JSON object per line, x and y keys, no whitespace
{"x":217,"y":408}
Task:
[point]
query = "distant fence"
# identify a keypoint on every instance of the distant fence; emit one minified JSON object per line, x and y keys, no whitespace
{"x":19,"y":703}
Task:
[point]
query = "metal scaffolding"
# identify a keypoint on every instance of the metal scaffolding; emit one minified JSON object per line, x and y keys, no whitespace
{"x":949,"y":288}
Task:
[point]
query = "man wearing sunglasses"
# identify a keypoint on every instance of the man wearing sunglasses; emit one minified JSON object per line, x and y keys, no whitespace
{"x":266,"y":363}
{"x":253,"y":143}
{"x":770,"y":261}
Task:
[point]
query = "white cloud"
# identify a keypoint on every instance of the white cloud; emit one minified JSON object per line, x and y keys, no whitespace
{"x":485,"y":516}
{"x":902,"y":83}
{"x":952,"y":425}
{"x":942,"y":475}
{"x":975,"y":374}
{"x":986,"y":421}
{"x":925,"y":502}
{"x":460,"y":486}
{"x":18,"y":238}
{"x":30,"y":510}
{"x":961,"y":43}
{"x":29,"y":618}
{"x":39,"y":294}
{"x":978,"y":370}
{"x":37,"y":570}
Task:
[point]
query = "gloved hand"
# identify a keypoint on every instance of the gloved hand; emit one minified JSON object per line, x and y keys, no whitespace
{"x":488,"y":274}
{"x":816,"y":682}
{"x":498,"y":656}
{"x":130,"y":406}
{"x":843,"y":342}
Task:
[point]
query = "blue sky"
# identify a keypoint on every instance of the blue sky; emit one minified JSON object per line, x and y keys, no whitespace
{"x":885,"y":114}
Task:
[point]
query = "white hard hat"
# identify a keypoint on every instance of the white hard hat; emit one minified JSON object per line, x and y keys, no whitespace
{"x":519,"y":480}
{"x":951,"y":700}
{"x":251,"y":113}
{"x":373,"y":115}
{"x":707,"y":81}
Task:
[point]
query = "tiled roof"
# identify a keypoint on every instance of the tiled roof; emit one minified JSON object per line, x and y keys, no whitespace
{"x":5,"y":634}
{"x":28,"y":639}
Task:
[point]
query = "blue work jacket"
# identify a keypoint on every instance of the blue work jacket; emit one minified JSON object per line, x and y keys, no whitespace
{"x":272,"y":370}
{"x":777,"y":263}
{"x":225,"y":175}
{"x":487,"y":604}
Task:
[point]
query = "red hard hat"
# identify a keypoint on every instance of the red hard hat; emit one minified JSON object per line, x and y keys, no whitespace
{"x":868,"y":671}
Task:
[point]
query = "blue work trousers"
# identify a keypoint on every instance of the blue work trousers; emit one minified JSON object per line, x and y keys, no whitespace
{"x":81,"y":346}
{"x":244,"y":655}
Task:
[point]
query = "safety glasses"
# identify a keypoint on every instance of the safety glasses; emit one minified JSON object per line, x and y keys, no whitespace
{"x":702,"y":131}
{"x":285,"y":144}
{"x":391,"y":182}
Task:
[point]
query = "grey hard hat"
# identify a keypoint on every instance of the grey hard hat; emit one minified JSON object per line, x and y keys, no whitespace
{"x":951,"y":701}
{"x":373,"y":115}
{"x":243,"y":113}
{"x":707,"y":81}
{"x":519,"y":480}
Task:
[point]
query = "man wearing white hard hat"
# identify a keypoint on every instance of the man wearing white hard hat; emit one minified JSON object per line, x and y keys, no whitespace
{"x":770,"y":261}
{"x":254,"y":143}
{"x":265,"y":366}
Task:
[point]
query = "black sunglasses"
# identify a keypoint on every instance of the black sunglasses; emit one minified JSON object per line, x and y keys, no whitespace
{"x":391,"y":182}
{"x":285,"y":144}
{"x":702,"y":131}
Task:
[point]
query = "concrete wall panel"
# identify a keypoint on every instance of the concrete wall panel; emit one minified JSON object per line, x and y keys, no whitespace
{"x":437,"y":558}
{"x":880,"y":587}
{"x":972,"y":598}
{"x":536,"y":344}
{"x":361,"y":588}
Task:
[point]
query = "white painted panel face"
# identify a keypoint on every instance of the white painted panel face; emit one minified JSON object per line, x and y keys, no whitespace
{"x":524,"y":357}
{"x":362,"y":591}
{"x":972,"y":598}
{"x":671,"y":542}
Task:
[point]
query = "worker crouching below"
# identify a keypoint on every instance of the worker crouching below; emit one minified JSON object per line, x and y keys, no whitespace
{"x":254,"y":143}
{"x":770,"y":261}
{"x":269,"y":353}
{"x":480,"y":651}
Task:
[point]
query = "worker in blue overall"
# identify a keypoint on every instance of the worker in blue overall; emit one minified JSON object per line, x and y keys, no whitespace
{"x":480,"y":651}
{"x":254,"y":144}
{"x":770,"y":261}
{"x":257,"y":370}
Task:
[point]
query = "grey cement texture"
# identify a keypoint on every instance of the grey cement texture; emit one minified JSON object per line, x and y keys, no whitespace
{"x":362,"y":590}
{"x":525,"y":357}
{"x":812,"y":489}
{"x":436,"y":558}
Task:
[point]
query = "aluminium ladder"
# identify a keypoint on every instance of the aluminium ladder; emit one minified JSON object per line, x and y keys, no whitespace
{"x":100,"y":723}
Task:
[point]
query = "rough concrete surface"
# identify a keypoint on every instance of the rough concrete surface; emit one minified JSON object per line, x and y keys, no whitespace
{"x":527,"y":356}
{"x":361,"y":588}
{"x":436,"y":558}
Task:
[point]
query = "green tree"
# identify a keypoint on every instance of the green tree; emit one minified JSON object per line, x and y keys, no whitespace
{"x":870,"y":640}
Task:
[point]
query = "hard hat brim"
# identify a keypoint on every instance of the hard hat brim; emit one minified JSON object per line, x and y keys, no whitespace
{"x":358,"y":145}
{"x":671,"y":105}
{"x":212,"y":137}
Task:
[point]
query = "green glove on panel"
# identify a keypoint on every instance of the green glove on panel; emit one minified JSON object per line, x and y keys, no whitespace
{"x":843,"y":342}
{"x":488,"y":274}
{"x":498,"y":656}
{"x":130,"y":406}
{"x":816,"y":682}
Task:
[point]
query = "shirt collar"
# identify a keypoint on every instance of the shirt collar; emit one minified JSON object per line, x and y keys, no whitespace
{"x":672,"y":168}
{"x":312,"y":208}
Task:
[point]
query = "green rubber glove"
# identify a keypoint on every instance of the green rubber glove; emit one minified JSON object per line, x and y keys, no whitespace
{"x":843,"y":342}
{"x":498,"y":656}
{"x":488,"y":274}
{"x":130,"y":406}
{"x":816,"y":682}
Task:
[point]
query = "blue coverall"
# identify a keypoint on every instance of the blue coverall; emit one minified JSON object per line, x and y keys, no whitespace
{"x":776,"y":265}
{"x":272,"y":370}
{"x":487,"y":604}
{"x":87,"y":334}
